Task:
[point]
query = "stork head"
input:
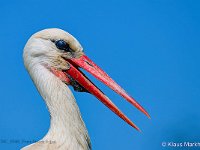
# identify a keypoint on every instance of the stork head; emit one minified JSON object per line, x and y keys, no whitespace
{"x":63,"y":55}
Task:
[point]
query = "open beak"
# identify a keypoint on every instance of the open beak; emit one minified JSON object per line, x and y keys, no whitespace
{"x":85,"y":63}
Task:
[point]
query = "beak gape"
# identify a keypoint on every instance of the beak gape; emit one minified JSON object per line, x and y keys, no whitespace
{"x":81,"y":83}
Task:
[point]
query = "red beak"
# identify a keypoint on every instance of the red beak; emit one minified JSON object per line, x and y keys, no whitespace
{"x":87,"y":64}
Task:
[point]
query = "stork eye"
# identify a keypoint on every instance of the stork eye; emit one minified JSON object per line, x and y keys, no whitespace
{"x":62,"y":45}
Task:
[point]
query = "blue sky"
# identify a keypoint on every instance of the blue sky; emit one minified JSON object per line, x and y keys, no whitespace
{"x":151,"y":48}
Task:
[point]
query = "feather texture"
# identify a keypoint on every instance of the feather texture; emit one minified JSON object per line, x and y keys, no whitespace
{"x":67,"y":129}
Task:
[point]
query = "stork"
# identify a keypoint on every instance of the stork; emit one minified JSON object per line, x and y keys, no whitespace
{"x":53,"y":58}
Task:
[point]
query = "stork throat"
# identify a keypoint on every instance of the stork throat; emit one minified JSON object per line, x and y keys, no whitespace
{"x":77,"y":87}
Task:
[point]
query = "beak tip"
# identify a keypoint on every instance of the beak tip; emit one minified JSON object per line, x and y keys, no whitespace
{"x":138,"y":129}
{"x":147,"y":114}
{"x":134,"y":126}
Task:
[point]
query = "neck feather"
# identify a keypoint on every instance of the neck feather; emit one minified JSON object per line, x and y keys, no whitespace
{"x":67,"y":127}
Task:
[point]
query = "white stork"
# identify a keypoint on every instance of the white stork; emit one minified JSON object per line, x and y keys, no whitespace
{"x":53,"y":58}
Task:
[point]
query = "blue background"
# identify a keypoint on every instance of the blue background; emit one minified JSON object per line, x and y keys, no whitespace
{"x":151,"y":48}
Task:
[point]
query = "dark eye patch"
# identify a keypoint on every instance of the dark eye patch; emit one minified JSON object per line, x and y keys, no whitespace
{"x":62,"y":45}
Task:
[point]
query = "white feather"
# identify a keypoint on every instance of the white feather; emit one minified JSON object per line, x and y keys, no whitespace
{"x":67,"y":129}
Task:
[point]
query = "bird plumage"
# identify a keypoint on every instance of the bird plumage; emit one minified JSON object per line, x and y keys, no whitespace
{"x":67,"y":128}
{"x":53,"y":59}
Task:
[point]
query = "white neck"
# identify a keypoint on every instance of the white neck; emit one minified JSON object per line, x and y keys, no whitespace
{"x":67,"y":128}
